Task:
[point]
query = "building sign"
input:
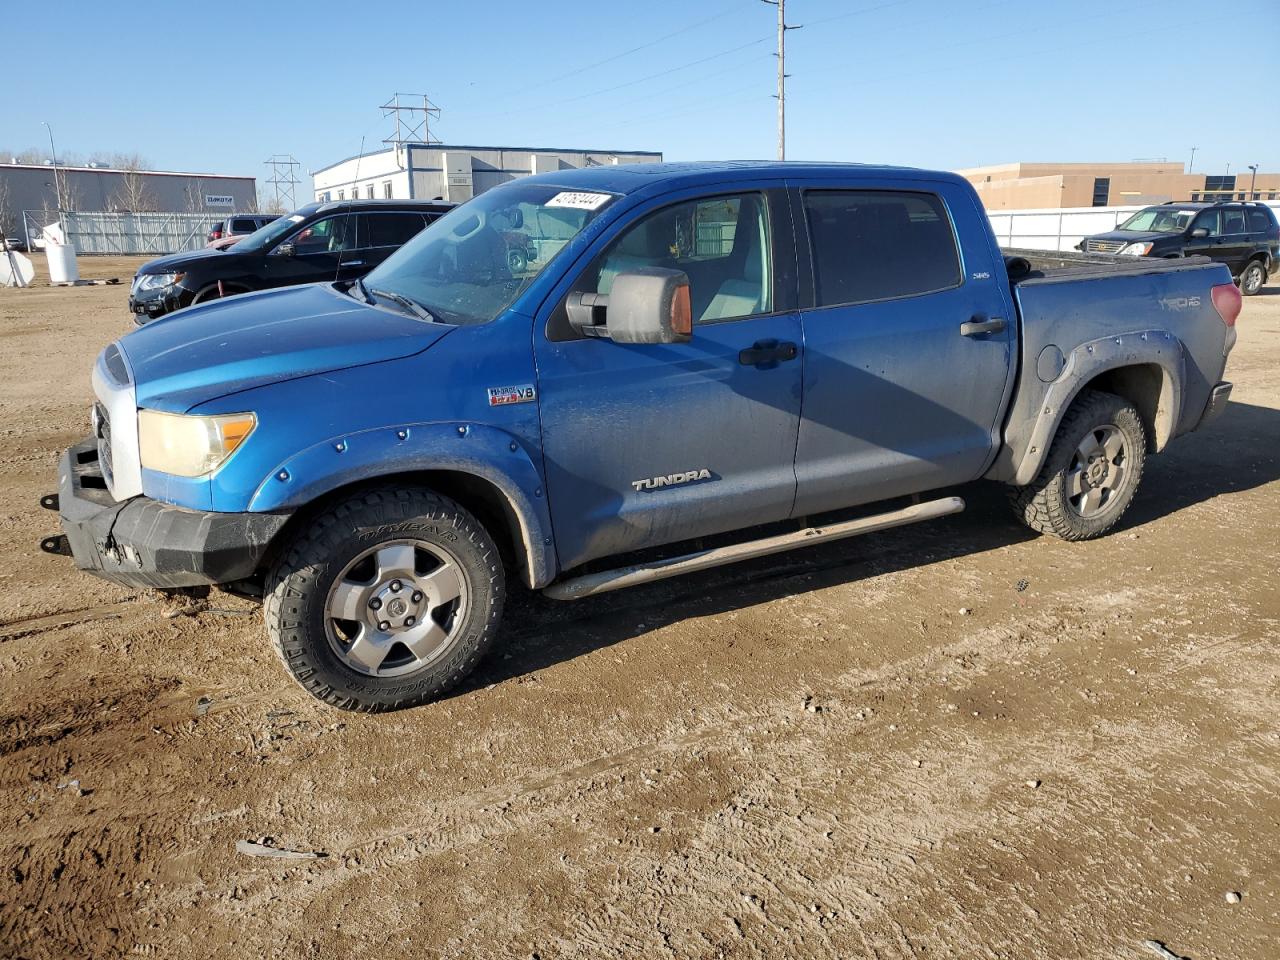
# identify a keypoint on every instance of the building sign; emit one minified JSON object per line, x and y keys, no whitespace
{"x":212,"y":200}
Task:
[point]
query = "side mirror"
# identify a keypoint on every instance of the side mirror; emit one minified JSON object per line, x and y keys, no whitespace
{"x":1199,"y":232}
{"x":285,"y":250}
{"x":649,"y":305}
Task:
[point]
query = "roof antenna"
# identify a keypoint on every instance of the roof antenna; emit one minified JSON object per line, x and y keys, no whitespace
{"x":355,"y":188}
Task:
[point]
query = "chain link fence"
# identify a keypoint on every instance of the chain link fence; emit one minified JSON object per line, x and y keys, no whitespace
{"x":149,"y":234}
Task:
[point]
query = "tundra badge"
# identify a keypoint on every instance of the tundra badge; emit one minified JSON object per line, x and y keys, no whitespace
{"x":671,"y":479}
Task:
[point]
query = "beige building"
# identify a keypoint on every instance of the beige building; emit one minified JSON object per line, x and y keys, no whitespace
{"x":1029,"y":186}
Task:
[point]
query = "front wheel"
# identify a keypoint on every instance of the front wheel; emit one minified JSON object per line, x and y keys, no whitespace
{"x":386,"y":600}
{"x":1091,"y":473}
{"x":1254,"y":276}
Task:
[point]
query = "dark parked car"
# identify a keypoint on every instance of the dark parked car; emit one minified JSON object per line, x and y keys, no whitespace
{"x":1244,"y":236}
{"x":241,"y":225}
{"x":318,"y":242}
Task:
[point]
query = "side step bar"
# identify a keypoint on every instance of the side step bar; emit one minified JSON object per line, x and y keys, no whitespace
{"x":592,"y":583}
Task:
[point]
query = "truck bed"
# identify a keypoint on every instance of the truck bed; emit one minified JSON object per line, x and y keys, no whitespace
{"x":1073,"y":265}
{"x":1080,"y":315}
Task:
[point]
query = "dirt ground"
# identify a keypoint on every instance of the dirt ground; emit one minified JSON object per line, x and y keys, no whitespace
{"x":1017,"y":747}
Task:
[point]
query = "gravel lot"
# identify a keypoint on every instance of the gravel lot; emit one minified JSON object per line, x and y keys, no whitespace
{"x":950,"y":740}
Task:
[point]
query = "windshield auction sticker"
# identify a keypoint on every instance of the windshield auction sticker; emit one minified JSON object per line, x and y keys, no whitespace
{"x":579,"y":201}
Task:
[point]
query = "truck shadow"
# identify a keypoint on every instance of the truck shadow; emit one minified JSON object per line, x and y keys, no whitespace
{"x":1239,"y":452}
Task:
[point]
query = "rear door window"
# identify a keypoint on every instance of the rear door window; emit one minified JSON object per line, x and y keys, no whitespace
{"x":1233,"y":221}
{"x":879,"y":245}
{"x":391,"y":229}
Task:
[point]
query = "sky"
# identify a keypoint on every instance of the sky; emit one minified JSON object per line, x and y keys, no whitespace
{"x":931,"y":83}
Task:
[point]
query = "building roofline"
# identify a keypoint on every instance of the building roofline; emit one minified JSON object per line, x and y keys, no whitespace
{"x":149,"y":173}
{"x":466,"y":146}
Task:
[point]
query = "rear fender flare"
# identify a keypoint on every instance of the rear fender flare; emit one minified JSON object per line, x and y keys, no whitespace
{"x":482,"y":451}
{"x":1084,"y":364}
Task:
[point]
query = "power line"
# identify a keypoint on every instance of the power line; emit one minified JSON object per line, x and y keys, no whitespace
{"x":644,"y":46}
{"x":621,"y":86}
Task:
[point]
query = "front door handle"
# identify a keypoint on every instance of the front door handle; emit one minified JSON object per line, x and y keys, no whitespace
{"x":976,"y":327}
{"x":353,"y":263}
{"x":768,"y":353}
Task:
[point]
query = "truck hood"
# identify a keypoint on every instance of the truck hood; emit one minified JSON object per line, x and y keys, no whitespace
{"x":222,"y":347}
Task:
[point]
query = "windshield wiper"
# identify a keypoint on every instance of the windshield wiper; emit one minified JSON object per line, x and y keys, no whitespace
{"x":364,"y":294}
{"x":413,"y":306}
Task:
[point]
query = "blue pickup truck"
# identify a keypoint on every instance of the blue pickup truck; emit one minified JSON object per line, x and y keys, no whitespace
{"x":685,"y":365}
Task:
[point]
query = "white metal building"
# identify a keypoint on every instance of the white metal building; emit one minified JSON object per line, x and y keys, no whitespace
{"x":457,"y":173}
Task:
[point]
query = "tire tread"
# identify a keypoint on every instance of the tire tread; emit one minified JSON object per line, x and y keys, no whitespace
{"x":296,"y":571}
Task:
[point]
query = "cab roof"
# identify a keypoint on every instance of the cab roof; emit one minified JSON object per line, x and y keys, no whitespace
{"x":631,"y":177}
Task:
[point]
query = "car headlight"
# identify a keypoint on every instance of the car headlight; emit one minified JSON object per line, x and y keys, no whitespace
{"x":1135,"y":250}
{"x":190,"y":446}
{"x":157,"y":281}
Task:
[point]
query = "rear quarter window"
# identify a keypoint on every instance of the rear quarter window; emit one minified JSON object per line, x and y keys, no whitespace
{"x":879,"y":245}
{"x":1260,"y":221}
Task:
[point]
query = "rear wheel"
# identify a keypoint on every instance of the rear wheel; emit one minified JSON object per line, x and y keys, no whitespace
{"x":1091,"y":473}
{"x":1253,"y":277}
{"x":386,"y":600}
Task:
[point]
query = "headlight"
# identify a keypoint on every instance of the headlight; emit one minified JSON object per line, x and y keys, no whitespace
{"x":188,"y":446}
{"x":1135,"y":250}
{"x":156,"y":281}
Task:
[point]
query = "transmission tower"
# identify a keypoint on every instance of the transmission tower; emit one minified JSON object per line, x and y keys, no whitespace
{"x":284,"y":179}
{"x":413,"y":122}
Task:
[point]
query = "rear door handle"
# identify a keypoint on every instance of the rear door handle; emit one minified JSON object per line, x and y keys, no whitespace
{"x":767,"y":353}
{"x":975,"y":327}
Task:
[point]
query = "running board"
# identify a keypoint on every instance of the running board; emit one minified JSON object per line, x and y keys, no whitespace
{"x":592,"y":583}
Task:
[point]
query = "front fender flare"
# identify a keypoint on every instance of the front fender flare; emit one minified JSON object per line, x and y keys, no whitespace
{"x":482,"y":451}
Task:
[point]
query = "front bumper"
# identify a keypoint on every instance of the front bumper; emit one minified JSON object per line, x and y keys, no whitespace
{"x":145,"y":543}
{"x":153,"y":304}
{"x":1219,"y":396}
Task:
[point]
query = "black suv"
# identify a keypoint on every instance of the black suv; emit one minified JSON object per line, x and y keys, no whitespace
{"x":1244,"y":236}
{"x":318,"y":242}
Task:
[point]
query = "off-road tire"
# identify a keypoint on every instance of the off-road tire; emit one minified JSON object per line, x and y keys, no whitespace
{"x":1252,"y":278}
{"x":294,"y":605}
{"x":1043,"y":504}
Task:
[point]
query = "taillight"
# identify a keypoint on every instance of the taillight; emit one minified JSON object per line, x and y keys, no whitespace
{"x":1227,"y":300}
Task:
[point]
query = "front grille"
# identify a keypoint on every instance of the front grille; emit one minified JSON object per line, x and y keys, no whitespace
{"x":1102,"y":246}
{"x":102,"y":432}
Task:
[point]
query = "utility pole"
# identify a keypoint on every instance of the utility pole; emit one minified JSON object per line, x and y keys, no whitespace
{"x":1192,"y":165}
{"x":783,"y":27}
{"x":1253,"y":181}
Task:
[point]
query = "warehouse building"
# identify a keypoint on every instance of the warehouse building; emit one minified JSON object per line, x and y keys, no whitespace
{"x":439,"y":171}
{"x":102,"y":189}
{"x":1029,"y":186}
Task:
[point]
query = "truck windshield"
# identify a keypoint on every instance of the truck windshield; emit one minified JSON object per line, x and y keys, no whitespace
{"x":471,"y":264}
{"x":1159,"y":220}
